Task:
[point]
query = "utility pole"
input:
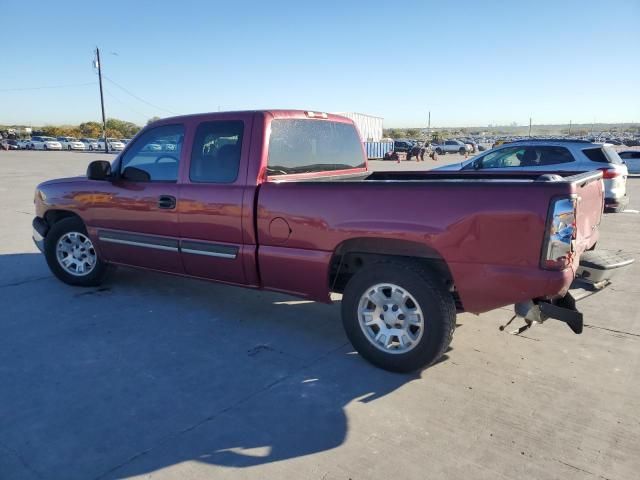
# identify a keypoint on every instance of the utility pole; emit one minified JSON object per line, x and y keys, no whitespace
{"x":104,"y":121}
{"x":429,"y":126}
{"x":529,"y":127}
{"x":569,"y":127}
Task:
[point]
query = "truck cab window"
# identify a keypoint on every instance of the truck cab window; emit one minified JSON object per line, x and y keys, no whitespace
{"x":215,"y":157}
{"x":304,"y":146}
{"x":154,"y":156}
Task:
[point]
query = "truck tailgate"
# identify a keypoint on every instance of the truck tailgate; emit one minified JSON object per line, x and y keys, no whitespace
{"x":590,"y":203}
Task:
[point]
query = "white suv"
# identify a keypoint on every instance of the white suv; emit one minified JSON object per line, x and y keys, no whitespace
{"x":452,"y":146}
{"x":559,"y":155}
{"x":44,"y":143}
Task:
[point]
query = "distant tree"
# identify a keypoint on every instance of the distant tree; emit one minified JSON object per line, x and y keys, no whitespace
{"x":394,"y":133}
{"x":153,"y":119}
{"x":413,"y":132}
{"x":90,"y":129}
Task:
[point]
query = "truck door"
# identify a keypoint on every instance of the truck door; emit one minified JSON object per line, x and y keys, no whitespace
{"x":211,"y":206}
{"x":134,"y":217}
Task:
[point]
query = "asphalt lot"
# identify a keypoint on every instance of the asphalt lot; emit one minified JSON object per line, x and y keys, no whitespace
{"x":153,"y":375}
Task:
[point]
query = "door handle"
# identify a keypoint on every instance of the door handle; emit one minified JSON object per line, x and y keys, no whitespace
{"x":167,"y":202}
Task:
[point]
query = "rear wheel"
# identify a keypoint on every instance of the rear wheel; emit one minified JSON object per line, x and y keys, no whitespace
{"x":398,"y":316}
{"x":71,"y":255}
{"x":462,"y":151}
{"x":439,"y":151}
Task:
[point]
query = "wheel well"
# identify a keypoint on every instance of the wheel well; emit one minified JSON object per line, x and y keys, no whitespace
{"x":53,"y":216}
{"x":352,"y":255}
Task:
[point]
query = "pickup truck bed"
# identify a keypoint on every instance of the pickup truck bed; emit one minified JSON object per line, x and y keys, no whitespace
{"x":283,"y":200}
{"x":487,"y":229}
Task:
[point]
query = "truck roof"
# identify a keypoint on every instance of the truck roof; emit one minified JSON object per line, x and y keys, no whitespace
{"x":275,"y":113}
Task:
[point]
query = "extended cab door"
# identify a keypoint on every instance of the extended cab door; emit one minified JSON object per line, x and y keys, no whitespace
{"x":135,"y":216}
{"x":211,"y":208}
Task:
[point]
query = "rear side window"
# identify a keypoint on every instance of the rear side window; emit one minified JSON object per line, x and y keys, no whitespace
{"x":303,"y":146}
{"x":215,"y":157}
{"x":630,"y":155}
{"x":602,"y":155}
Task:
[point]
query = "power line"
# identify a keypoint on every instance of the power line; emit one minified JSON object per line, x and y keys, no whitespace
{"x":47,"y":87}
{"x":137,"y":97}
{"x":126,"y":105}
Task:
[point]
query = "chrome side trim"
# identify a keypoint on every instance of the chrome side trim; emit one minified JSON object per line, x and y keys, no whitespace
{"x":209,"y":254}
{"x":138,"y":244}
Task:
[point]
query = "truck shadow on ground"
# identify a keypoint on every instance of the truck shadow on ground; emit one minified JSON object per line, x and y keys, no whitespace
{"x":148,"y":371}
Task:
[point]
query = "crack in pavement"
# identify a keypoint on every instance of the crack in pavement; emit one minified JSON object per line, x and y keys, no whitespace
{"x":24,"y":463}
{"x":612,"y":330}
{"x":581,"y":469}
{"x":213,"y":416}
{"x":22,"y":282}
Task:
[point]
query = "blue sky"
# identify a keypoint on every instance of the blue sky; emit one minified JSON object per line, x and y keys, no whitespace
{"x":468,"y":62}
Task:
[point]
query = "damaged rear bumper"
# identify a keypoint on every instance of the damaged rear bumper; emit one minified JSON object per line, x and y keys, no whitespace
{"x":595,"y":273}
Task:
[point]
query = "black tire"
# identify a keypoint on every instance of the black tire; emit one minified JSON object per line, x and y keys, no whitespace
{"x":437,"y":304}
{"x":91,"y":148}
{"x":462,"y":151}
{"x":58,"y":229}
{"x":45,"y":147}
{"x":439,"y":151}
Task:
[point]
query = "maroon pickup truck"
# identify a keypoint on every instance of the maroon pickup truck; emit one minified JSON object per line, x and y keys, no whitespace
{"x":282,"y":200}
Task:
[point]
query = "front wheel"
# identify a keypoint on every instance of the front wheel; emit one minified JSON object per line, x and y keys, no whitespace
{"x":462,"y":151}
{"x":439,"y":151}
{"x":398,"y":316}
{"x":71,"y":255}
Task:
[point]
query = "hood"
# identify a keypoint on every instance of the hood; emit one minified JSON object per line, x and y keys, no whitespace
{"x":61,"y":180}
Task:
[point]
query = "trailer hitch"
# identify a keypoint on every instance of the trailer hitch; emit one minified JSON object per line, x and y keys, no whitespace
{"x":563,"y":309}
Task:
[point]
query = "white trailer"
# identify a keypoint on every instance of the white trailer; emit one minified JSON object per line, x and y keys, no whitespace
{"x":370,"y":127}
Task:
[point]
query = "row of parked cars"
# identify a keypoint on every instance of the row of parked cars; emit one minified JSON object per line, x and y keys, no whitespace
{"x":82,"y":144}
{"x":461,"y":146}
{"x":39,"y":142}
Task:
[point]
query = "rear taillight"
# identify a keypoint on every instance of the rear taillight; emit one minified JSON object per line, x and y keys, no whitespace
{"x":560,"y":234}
{"x":609,"y":173}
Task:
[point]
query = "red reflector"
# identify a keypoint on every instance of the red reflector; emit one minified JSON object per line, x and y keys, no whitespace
{"x":609,"y":173}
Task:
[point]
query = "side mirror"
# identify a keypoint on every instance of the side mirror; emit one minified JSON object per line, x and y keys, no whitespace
{"x":136,"y":175}
{"x":99,"y":170}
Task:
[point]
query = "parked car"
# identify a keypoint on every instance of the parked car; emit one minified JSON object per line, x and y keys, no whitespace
{"x":44,"y":143}
{"x":557,"y":155}
{"x":87,"y":142}
{"x":451,"y":146}
{"x":115,"y":145}
{"x":71,"y":143}
{"x":631,"y":158}
{"x":404,"y":146}
{"x":265,"y":203}
{"x":9,"y":144}
{"x":24,"y":143}
{"x":125,"y":140}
